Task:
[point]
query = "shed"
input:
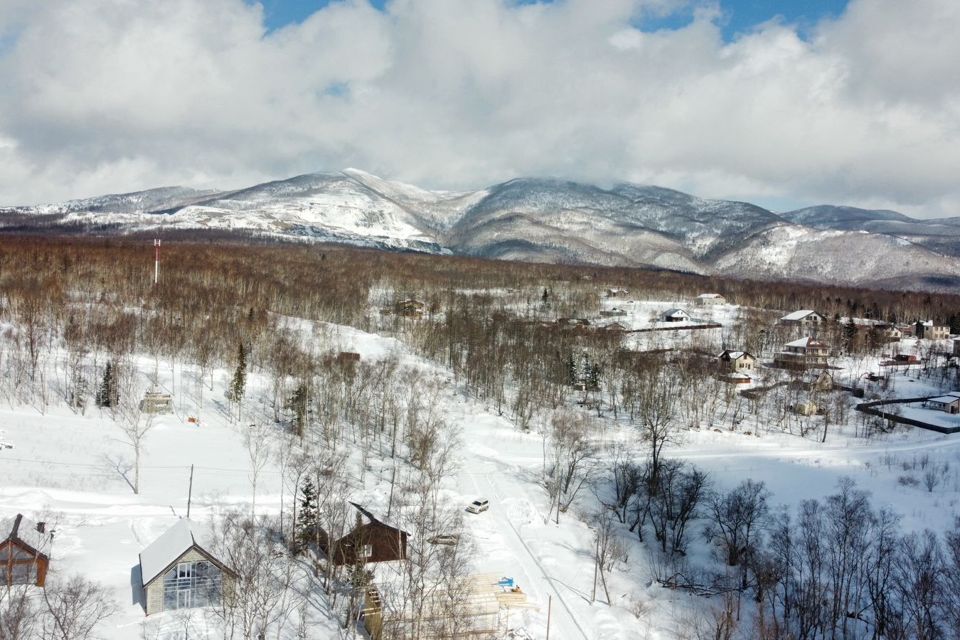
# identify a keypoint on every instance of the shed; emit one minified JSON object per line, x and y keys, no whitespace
{"x":24,"y":552}
{"x":178,"y":573}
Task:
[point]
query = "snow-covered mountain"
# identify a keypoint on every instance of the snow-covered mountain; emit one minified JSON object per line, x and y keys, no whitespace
{"x":541,"y":220}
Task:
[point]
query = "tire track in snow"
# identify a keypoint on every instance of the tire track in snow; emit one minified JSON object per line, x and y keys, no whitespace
{"x":536,"y":561}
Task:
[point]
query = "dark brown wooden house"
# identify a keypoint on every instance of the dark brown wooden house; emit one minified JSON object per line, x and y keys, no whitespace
{"x":22,"y":552}
{"x":371,"y":540}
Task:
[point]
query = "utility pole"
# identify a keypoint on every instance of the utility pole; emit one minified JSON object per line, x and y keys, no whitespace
{"x":549,"y":608}
{"x":156,"y":260}
{"x":596,"y":565}
{"x":190,"y":492}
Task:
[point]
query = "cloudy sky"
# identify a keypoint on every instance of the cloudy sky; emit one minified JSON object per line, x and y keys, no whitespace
{"x":781,"y":102}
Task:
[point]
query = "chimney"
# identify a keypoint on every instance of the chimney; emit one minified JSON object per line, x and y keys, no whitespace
{"x":41,"y":527}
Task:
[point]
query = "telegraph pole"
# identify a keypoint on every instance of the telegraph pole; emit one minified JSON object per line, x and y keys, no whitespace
{"x":156,"y":260}
{"x":190,"y":492}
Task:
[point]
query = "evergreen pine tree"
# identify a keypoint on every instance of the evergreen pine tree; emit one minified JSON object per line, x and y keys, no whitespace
{"x":594,"y":376}
{"x":108,"y":394}
{"x":572,"y":377}
{"x":239,"y":383}
{"x":307,"y":518}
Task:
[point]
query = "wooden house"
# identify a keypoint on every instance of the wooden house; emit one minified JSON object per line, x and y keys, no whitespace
{"x":802,"y":353}
{"x":177,"y":572}
{"x":371,"y":540}
{"x":409,"y":308}
{"x":736,"y":361}
{"x":806,"y":318}
{"x":709,"y":299}
{"x":674,"y":315}
{"x":23,"y":553}
{"x":156,"y":402}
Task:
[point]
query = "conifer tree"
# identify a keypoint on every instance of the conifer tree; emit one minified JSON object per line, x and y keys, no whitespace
{"x":239,"y":383}
{"x":307,"y":521}
{"x":109,"y":394}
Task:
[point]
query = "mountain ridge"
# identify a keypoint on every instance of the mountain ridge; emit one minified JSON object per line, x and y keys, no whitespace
{"x":540,"y":220}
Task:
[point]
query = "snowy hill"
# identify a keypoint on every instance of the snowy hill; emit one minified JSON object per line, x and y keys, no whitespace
{"x":542,"y":220}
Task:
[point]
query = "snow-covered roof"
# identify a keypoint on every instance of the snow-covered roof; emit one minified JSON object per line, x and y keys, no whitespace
{"x":26,"y":531}
{"x":734,"y":355}
{"x":798,"y":315}
{"x":804,"y":343}
{"x":944,"y":399}
{"x":674,"y":312}
{"x":710,"y":295}
{"x":166,"y":549}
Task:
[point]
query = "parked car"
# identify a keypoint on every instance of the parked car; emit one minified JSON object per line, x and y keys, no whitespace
{"x":478,"y":506}
{"x":450,"y":539}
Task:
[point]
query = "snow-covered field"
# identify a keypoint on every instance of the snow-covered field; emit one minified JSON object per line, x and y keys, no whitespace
{"x":77,"y":469}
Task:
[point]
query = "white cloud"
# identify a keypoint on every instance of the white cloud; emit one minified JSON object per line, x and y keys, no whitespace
{"x":462,"y":93}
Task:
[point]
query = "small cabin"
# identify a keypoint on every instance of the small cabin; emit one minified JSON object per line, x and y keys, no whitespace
{"x":156,"y":402}
{"x":409,"y":308}
{"x":23,"y":553}
{"x":709,"y":299}
{"x":674,"y":315}
{"x":947,"y":404}
{"x":177,"y":572}
{"x":371,"y":540}
{"x":736,"y":361}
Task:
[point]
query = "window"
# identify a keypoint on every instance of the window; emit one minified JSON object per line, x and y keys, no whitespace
{"x":191,"y":584}
{"x":367,"y":551}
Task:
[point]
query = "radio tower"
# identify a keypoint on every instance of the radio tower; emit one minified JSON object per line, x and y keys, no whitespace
{"x":156,"y":261}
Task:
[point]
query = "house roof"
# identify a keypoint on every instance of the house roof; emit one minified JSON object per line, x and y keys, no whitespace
{"x":674,"y":312}
{"x":734,"y":355}
{"x":26,"y":531}
{"x":169,"y":547}
{"x":709,"y":295}
{"x":805,"y":343}
{"x":799,"y":315}
{"x":944,"y":399}
{"x":372,"y":519}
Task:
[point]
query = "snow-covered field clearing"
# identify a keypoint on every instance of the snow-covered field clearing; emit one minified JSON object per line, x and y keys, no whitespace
{"x":76,"y":470}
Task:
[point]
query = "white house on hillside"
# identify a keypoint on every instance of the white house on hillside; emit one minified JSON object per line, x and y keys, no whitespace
{"x":802,"y":318}
{"x":178,"y":573}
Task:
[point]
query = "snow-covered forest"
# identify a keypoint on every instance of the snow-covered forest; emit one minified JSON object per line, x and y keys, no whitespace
{"x":295,"y":403}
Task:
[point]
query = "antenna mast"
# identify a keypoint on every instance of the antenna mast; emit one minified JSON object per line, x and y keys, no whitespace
{"x":156,"y":261}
